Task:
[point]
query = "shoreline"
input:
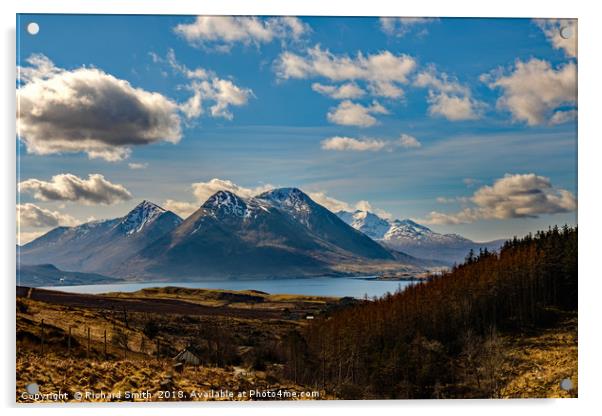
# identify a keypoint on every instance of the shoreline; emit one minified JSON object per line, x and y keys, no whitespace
{"x":355,"y":287}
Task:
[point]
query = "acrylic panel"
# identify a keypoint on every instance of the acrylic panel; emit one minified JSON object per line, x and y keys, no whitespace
{"x":295,"y":208}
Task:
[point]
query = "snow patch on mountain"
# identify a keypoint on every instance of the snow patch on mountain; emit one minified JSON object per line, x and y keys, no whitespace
{"x":368,"y":223}
{"x":140,"y":217}
{"x":410,"y":230}
{"x":225,"y":204}
{"x":292,"y":200}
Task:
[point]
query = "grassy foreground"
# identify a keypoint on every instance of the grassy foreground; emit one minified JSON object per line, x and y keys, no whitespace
{"x":240,"y":337}
{"x":534,"y":364}
{"x":245,"y":357}
{"x":114,"y":380}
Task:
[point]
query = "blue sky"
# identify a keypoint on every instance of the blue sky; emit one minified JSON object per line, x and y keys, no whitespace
{"x":483,"y":101}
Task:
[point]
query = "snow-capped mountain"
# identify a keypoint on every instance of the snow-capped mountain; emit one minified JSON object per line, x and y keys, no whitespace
{"x":292,"y":200}
{"x":282,"y":232}
{"x":410,"y":230}
{"x":99,"y":246}
{"x":144,"y":215}
{"x":224,"y":204}
{"x":413,"y":238}
{"x":367,"y":222}
{"x":321,"y":222}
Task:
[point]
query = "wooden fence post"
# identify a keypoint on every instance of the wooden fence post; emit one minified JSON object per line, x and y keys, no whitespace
{"x":42,"y":341}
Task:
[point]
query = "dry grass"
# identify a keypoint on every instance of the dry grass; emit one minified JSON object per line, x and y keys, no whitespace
{"x":531,"y":365}
{"x":535,"y":365}
{"x":55,"y":373}
{"x":44,"y":358}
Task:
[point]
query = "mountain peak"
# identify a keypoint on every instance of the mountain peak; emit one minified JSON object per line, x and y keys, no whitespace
{"x":285,"y":195}
{"x":143,"y":214}
{"x":292,"y":200}
{"x":367,"y":222}
{"x":226,"y":202}
{"x":146,"y":204}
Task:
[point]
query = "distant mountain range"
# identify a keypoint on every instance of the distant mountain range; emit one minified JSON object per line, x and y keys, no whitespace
{"x":415,"y":239}
{"x":280,"y":233}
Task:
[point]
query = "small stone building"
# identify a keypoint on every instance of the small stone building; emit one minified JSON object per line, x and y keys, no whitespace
{"x":188,"y":356}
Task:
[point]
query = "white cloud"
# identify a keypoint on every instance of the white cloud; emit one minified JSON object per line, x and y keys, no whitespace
{"x":364,"y":206}
{"x":68,"y":187}
{"x":439,"y":81}
{"x":206,"y":86}
{"x":220,"y":33}
{"x":193,"y":107}
{"x":349,"y":143}
{"x":552,"y":29}
{"x":560,"y":117}
{"x":401,"y":26}
{"x":409,"y":142}
{"x":527,"y":195}
{"x":40,"y":67}
{"x":447,"y":97}
{"x":31,"y":215}
{"x":384,"y":71}
{"x":196,"y":73}
{"x":385,"y":89}
{"x":182,"y":208}
{"x":465,"y":216}
{"x":87,"y":110}
{"x":369,"y":144}
{"x":348,"y":113}
{"x":453,"y":108}
{"x":513,"y":196}
{"x":293,"y":24}
{"x":203,"y":190}
{"x":381,"y":74}
{"x":339,"y":92}
{"x":329,"y":202}
{"x":137,"y":166}
{"x":534,"y":90}
{"x":225,"y":94}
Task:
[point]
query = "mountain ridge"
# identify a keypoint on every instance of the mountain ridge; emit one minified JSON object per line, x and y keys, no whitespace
{"x":415,"y":239}
{"x":279,"y":233}
{"x":282,"y":232}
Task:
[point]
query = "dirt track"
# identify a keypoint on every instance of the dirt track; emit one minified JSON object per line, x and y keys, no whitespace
{"x":163,"y":306}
